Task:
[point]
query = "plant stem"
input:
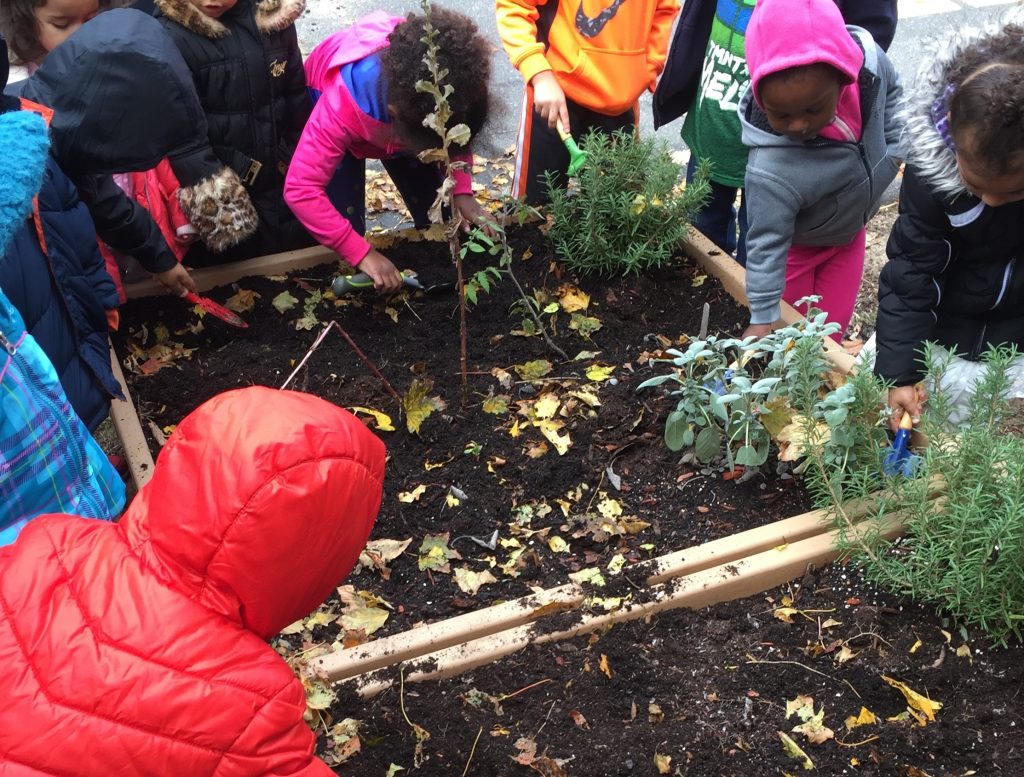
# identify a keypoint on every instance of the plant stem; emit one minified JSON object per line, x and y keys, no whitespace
{"x":472,"y":751}
{"x":455,"y":248}
{"x":533,"y":314}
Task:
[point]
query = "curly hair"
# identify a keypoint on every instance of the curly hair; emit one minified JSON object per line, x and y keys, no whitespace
{"x":986,"y":109}
{"x":462,"y":51}
{"x":19,"y":25}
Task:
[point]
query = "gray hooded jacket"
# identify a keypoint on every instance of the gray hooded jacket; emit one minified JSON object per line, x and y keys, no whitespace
{"x":821,"y":192}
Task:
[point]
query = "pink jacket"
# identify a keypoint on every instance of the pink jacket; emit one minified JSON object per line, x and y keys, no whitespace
{"x":339,"y":127}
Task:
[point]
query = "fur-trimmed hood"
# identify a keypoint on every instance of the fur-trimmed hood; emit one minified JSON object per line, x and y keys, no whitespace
{"x":271,"y":16}
{"x":927,"y":150}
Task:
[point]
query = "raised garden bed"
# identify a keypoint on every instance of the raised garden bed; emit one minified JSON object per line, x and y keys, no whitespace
{"x":615,"y":490}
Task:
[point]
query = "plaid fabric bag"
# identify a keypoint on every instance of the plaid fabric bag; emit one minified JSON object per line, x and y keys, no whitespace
{"x":49,"y":463}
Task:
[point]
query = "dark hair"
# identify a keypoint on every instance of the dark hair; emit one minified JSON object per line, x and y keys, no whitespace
{"x":18,"y":24}
{"x":462,"y":51}
{"x":986,"y":109}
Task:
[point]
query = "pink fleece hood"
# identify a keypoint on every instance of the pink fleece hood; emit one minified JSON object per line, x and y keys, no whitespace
{"x":791,"y":33}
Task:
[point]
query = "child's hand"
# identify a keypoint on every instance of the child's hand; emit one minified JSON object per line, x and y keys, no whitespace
{"x":757,"y":330}
{"x":386,"y":278}
{"x":474,"y":215}
{"x":549,"y":99}
{"x":906,"y":399}
{"x":177,"y":280}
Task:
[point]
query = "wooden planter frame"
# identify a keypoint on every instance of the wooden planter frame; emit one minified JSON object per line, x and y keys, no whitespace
{"x":725,"y":569}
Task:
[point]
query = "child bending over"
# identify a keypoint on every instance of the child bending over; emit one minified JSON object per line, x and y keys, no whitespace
{"x":820,"y":121}
{"x":954,"y":275}
{"x":245,"y":62}
{"x":140,"y":647}
{"x":363,"y":81}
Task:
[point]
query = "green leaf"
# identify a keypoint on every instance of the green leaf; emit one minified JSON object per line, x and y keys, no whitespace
{"x":708,"y":444}
{"x":748,"y":456}
{"x":459,"y":135}
{"x":675,"y":430}
{"x":284,"y":301}
{"x":435,"y":555}
{"x":532,"y":370}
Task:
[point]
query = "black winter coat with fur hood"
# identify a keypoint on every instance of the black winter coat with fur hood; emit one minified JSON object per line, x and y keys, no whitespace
{"x":248,"y":73}
{"x":955,"y":273}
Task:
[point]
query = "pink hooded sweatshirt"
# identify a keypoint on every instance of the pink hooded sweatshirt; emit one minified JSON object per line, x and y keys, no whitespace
{"x":338,"y":127}
{"x":783,"y":34}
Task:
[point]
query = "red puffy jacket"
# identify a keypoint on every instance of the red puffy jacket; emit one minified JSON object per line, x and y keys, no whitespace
{"x":138,"y":648}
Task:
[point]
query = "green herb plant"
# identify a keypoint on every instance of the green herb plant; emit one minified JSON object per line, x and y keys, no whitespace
{"x":963,"y":512}
{"x":733,"y":394}
{"x":626,"y":215}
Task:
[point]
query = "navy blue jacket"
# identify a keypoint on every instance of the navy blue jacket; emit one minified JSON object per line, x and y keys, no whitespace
{"x":63,"y":295}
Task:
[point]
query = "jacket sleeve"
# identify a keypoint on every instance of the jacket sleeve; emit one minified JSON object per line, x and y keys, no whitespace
{"x":324,"y":143}
{"x":657,"y":44}
{"x":517,"y":28}
{"x":894,"y":127}
{"x":678,"y":84}
{"x":124,"y":224}
{"x":876,"y":16}
{"x":911,"y":283}
{"x":277,"y":742}
{"x":772,"y":207}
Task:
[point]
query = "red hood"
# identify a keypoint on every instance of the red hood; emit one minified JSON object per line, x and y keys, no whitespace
{"x":259,"y":505}
{"x":790,"y":33}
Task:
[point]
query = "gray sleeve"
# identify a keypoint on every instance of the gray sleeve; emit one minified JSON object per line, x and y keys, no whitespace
{"x":772,"y":206}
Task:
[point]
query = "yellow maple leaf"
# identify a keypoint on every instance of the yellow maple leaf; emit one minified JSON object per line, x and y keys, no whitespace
{"x":547,"y":405}
{"x":419,"y":404}
{"x":382,"y":420}
{"x":572,"y":299}
{"x":550,"y":429}
{"x":865,"y":718}
{"x":558,"y":545}
{"x":532,"y":370}
{"x":496,"y":405}
{"x":916,"y":701}
{"x":599,"y":372}
{"x":609,"y":508}
{"x":412,"y":496}
{"x":470,"y":581}
{"x":242,"y":300}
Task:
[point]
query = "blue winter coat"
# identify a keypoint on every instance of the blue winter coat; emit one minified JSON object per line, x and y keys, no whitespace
{"x":63,"y":293}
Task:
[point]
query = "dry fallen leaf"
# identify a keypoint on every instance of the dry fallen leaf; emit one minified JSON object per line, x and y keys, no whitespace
{"x":663,"y":763}
{"x":470,"y":581}
{"x":606,"y":667}
{"x":793,"y":750}
{"x":419,"y":405}
{"x":916,"y":701}
{"x":243,"y":300}
{"x":865,"y":718}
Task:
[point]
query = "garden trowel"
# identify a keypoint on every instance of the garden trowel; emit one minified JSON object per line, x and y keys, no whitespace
{"x":216,"y":309}
{"x":899,"y":460}
{"x":577,"y":156}
{"x":345,"y":284}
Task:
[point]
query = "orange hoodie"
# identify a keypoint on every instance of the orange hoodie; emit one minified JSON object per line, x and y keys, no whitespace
{"x":604,"y":53}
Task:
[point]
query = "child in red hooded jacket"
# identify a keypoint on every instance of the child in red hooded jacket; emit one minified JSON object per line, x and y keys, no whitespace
{"x":139,"y":648}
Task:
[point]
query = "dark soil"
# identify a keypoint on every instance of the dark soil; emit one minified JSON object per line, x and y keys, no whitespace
{"x":622,"y":439}
{"x":720,"y":680}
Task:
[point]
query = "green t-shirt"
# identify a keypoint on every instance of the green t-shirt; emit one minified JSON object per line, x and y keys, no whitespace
{"x":712,"y":126}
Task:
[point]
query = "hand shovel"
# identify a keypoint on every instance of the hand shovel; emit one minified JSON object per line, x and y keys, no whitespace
{"x":215,"y":309}
{"x":344,"y":284}
{"x":899,"y":460}
{"x":577,"y":156}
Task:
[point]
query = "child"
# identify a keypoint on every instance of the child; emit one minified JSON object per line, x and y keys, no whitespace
{"x":585,"y":65}
{"x":245,"y":61}
{"x":140,"y":647}
{"x":820,"y":121}
{"x":48,"y":460}
{"x":954,"y":274}
{"x":367,"y":107}
{"x":123,"y":99}
{"x":705,"y":76}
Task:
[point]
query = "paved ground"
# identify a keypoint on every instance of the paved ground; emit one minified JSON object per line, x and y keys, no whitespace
{"x":923,"y":25}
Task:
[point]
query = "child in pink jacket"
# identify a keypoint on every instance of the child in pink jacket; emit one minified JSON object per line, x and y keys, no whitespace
{"x":363,"y":83}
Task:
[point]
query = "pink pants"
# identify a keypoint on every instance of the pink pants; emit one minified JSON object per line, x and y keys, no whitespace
{"x":830,"y":272}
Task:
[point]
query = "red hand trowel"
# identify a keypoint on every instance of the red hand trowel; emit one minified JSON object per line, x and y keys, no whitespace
{"x":216,"y":309}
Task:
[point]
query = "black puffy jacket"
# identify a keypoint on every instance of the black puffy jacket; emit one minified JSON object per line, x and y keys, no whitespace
{"x":248,"y":73}
{"x":955,"y":273}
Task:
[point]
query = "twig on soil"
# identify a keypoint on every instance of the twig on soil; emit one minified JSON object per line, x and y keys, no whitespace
{"x":506,"y":696}
{"x":546,"y":719}
{"x":352,"y":343}
{"x":533,"y":314}
{"x":871,"y":738}
{"x":755,"y":660}
{"x":472,"y":751}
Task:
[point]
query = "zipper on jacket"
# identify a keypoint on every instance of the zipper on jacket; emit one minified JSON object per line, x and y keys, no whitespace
{"x":10,"y":347}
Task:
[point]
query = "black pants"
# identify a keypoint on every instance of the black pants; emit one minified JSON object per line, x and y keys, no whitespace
{"x":539,"y":149}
